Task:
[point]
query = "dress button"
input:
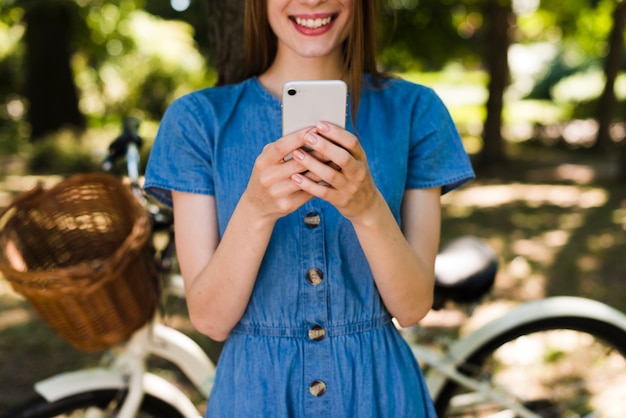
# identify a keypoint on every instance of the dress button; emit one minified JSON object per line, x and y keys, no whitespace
{"x":317,"y":333}
{"x":312,"y":220}
{"x":317,"y":388}
{"x":314,"y":276}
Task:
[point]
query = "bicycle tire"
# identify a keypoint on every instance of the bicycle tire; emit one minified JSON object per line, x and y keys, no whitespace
{"x":38,"y":407}
{"x":590,"y":333}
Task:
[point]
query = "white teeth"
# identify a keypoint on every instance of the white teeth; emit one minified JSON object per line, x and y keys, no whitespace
{"x":313,"y":23}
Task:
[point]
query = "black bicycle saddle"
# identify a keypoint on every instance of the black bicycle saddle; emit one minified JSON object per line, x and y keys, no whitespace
{"x":465,"y":270}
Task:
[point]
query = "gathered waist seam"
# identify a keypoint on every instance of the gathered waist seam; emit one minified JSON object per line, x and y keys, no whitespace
{"x":303,"y":331}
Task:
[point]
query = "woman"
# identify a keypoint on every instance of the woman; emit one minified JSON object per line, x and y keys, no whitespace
{"x":303,"y":276}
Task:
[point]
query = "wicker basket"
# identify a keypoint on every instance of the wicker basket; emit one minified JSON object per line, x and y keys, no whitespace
{"x":81,"y":254}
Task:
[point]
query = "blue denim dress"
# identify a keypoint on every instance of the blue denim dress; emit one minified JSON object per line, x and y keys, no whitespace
{"x":316,"y":339}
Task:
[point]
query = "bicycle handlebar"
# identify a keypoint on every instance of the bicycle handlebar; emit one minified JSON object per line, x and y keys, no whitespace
{"x":127,"y":146}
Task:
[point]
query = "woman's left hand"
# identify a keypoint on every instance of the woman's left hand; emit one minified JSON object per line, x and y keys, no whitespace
{"x":337,"y":171}
{"x":402,"y":265}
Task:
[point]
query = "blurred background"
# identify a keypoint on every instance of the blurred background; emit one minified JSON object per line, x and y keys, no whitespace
{"x":537,"y":89}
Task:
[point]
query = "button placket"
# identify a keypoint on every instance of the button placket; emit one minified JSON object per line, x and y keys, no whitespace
{"x":317,"y":347}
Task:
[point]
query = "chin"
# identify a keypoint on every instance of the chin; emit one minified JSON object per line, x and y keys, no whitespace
{"x":315,"y":52}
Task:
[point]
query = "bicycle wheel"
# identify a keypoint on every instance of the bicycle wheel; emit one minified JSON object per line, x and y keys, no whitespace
{"x":559,"y":367}
{"x":94,"y":404}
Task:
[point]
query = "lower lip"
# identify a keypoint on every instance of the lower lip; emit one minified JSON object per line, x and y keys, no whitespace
{"x":313,"y":32}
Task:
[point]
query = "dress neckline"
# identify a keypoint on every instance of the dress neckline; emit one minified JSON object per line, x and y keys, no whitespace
{"x":264,"y":93}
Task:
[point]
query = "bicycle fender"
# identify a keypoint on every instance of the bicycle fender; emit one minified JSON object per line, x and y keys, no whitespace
{"x":186,"y":354}
{"x":527,"y":312}
{"x":79,"y":381}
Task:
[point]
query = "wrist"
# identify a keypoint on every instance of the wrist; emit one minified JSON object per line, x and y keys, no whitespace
{"x":253,"y":211}
{"x":374,"y":214}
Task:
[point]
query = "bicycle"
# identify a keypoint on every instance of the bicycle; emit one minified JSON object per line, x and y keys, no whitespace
{"x":487,"y":372}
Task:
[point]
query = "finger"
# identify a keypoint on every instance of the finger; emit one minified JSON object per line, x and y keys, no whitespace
{"x":328,"y":151}
{"x":281,"y":149}
{"x":317,"y":189}
{"x":319,"y":171}
{"x":340,"y":137}
{"x":311,"y":176}
{"x":281,"y":197}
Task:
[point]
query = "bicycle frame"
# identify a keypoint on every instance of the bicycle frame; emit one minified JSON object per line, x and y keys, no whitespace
{"x":128,"y":372}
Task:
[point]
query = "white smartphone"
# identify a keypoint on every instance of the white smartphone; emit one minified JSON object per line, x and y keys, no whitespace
{"x":305,"y":103}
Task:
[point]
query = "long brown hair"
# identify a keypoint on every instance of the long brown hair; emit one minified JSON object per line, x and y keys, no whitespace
{"x":359,"y":49}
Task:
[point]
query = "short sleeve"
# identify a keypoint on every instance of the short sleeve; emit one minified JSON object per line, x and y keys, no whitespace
{"x":181,"y":158}
{"x":437,"y":157}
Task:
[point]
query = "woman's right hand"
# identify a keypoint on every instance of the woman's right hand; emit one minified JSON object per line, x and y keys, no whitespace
{"x":220,"y":272}
{"x":270,"y":188}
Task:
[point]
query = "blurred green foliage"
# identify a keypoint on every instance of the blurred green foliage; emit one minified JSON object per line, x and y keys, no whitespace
{"x":62,"y":153}
{"x":133,"y":57}
{"x":126,"y":61}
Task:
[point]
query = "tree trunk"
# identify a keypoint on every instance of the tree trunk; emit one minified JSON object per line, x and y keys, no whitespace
{"x":612,"y":66}
{"x":50,"y":87}
{"x":497,"y":46}
{"x":226,"y":44}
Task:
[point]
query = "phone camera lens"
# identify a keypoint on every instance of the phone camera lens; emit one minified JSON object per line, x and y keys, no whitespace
{"x":291,"y":92}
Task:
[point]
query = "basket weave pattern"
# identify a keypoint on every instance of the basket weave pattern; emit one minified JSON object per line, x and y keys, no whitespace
{"x":80,"y":253}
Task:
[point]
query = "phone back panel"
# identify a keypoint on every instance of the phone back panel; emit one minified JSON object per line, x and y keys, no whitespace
{"x":313,"y":101}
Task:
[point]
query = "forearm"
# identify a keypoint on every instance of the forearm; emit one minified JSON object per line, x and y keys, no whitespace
{"x":220,"y":273}
{"x":403,"y":270}
{"x":217,"y":297}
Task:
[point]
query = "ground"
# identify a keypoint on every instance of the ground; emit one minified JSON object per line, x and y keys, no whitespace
{"x":555,"y":217}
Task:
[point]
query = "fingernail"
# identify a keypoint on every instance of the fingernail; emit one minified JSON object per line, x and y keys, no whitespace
{"x":323,"y":127}
{"x":297,"y":178}
{"x":310,"y":138}
{"x":299,"y":155}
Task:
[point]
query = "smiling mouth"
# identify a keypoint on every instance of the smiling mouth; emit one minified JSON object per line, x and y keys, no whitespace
{"x":313,"y":23}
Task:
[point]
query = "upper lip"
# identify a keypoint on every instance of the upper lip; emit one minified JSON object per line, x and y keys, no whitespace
{"x":313,"y":16}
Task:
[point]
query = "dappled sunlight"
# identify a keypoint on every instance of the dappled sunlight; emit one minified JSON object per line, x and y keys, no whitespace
{"x":619,"y":216}
{"x":20,"y":183}
{"x":581,"y":132}
{"x":577,"y":173}
{"x":533,"y":195}
{"x":541,"y":250}
{"x":550,"y":238}
{"x":444,"y":318}
{"x":13,"y":317}
{"x":533,"y":249}
{"x":542,"y":360}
